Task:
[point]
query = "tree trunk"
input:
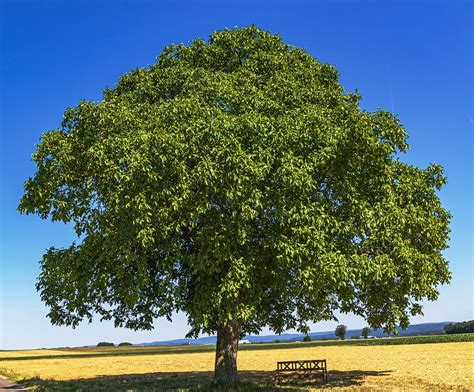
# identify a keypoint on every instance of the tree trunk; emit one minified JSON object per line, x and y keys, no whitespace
{"x":225,"y":371}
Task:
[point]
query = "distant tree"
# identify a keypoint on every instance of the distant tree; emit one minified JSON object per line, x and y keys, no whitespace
{"x":449,"y":329}
{"x":307,"y":338}
{"x":125,"y":344}
{"x":462,"y":327}
{"x":237,"y":181}
{"x":365,"y":332}
{"x":341,"y":331}
{"x":105,"y":344}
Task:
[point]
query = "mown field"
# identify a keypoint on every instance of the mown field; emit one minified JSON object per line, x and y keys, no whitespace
{"x":431,"y":363}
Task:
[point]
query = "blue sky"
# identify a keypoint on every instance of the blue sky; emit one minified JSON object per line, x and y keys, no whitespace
{"x":414,"y":58}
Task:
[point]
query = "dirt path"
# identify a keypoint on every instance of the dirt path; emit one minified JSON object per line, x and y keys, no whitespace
{"x":7,"y":385}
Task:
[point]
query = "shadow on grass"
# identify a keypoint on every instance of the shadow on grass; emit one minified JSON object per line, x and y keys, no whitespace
{"x":252,"y":381}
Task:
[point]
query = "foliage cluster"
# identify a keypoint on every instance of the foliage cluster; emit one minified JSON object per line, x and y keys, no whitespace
{"x":340,"y":331}
{"x":105,"y":344}
{"x":365,"y":332}
{"x":236,"y":181}
{"x":462,"y":327}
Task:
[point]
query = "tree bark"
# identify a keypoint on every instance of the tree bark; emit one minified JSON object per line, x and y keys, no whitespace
{"x":225,"y":371}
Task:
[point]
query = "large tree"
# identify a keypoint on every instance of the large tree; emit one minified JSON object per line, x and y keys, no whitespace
{"x":236,"y":181}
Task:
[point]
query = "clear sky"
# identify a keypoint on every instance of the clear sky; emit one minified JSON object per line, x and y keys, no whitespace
{"x":414,"y":58}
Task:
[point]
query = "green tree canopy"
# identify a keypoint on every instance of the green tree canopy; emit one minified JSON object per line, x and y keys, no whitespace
{"x":235,"y":180}
{"x":365,"y":332}
{"x":462,"y":327}
{"x":340,"y":331}
{"x":105,"y":344}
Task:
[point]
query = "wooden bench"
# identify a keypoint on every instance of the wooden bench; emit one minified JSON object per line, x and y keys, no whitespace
{"x":301,"y":369}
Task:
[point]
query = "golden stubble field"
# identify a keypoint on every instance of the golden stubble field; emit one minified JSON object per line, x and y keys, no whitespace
{"x":440,"y":366}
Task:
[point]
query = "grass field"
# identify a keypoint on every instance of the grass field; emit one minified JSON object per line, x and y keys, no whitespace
{"x":374,"y":365}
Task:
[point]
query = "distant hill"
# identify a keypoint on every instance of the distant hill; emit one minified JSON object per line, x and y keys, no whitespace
{"x":412,"y":330}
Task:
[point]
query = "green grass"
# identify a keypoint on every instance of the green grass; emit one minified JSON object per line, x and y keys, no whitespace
{"x":284,"y":345}
{"x":317,"y":343}
{"x":365,"y":342}
{"x":198,"y":380}
{"x":156,"y":350}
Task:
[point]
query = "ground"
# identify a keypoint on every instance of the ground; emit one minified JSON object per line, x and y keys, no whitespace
{"x":429,"y":366}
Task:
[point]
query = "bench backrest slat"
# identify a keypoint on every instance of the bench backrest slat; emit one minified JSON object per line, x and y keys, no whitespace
{"x":306,"y":365}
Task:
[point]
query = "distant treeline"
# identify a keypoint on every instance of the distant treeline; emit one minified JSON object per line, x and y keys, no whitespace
{"x":463,"y":327}
{"x":107,"y":344}
{"x":444,"y":338}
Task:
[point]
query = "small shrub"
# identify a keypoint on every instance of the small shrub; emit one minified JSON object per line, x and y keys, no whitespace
{"x":355,"y":337}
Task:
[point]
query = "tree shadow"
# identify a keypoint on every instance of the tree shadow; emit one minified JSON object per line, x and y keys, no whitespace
{"x":257,"y":381}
